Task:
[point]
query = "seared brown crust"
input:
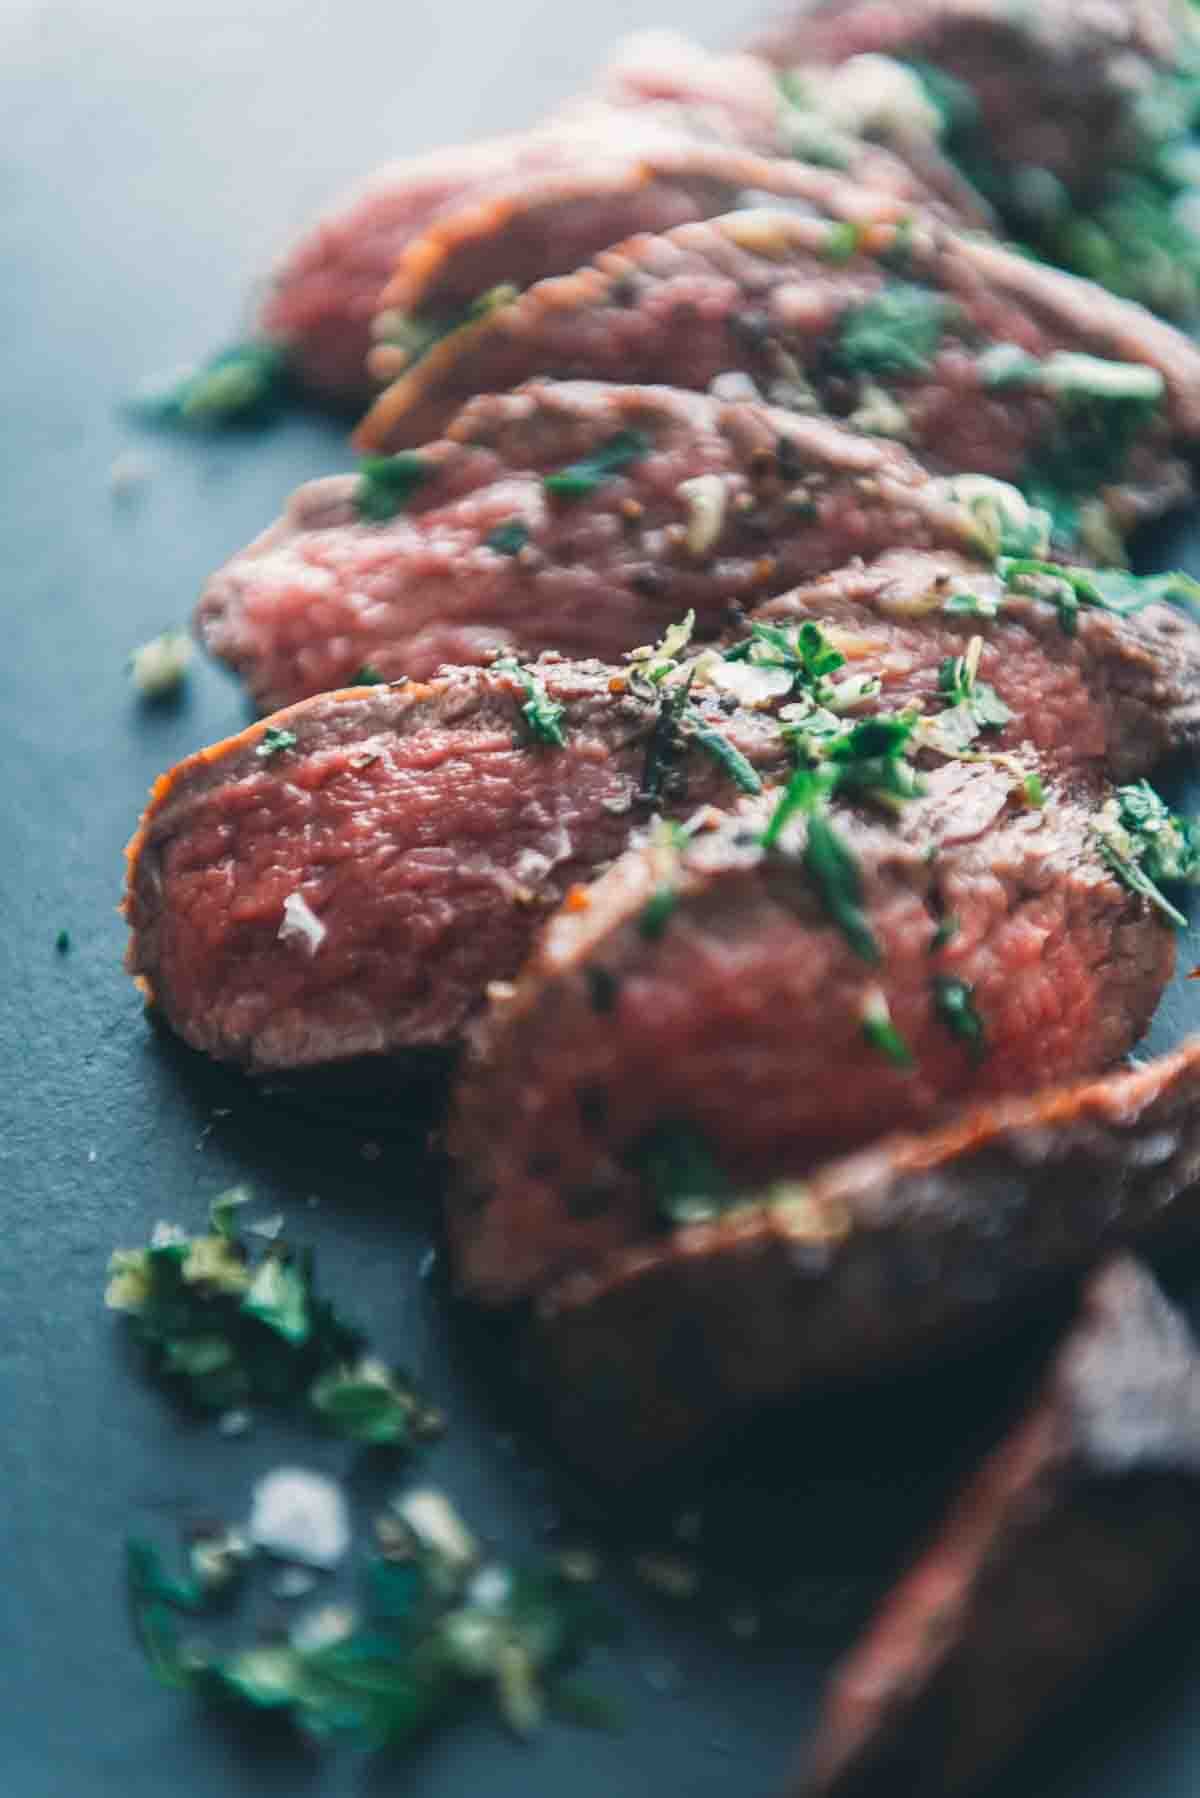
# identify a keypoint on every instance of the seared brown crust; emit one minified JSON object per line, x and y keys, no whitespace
{"x":739,"y":1016}
{"x":428,"y":836}
{"x":764,"y":293}
{"x":883,"y":1259}
{"x":1074,"y":1531}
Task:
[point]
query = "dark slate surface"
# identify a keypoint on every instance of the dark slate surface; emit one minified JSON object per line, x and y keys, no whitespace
{"x":153,"y":157}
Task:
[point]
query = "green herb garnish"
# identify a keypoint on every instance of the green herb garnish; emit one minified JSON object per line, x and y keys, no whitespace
{"x":662,"y":747}
{"x":509,"y":538}
{"x":368,"y":676}
{"x":1146,"y":844}
{"x":974,"y":705}
{"x":948,"y":928}
{"x":1106,"y":590}
{"x":542,"y":714}
{"x":841,"y":241}
{"x":656,"y":913}
{"x":387,"y":483}
{"x":433,"y":1628}
{"x":718,"y":748}
{"x":62,"y":942}
{"x":1033,"y":792}
{"x":895,"y":332}
{"x":274,"y":741}
{"x":837,"y":876}
{"x":678,"y":1166}
{"x":224,"y":1331}
{"x":582,"y":478}
{"x":955,"y":1002}
{"x":881,"y":1033}
{"x":244,"y":386}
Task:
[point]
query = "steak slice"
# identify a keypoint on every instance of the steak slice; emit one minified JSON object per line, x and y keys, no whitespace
{"x":1120,"y":693}
{"x":1077,"y":1529}
{"x":984,"y":360}
{"x":714,"y":1001}
{"x":904,"y":1251}
{"x":1052,"y":87}
{"x":348,"y":878}
{"x":324,"y":591}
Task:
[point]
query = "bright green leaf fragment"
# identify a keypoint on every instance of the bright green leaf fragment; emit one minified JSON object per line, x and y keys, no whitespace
{"x":222,"y":1330}
{"x":718,"y":748}
{"x":841,"y":241}
{"x":274,"y":741}
{"x":1034,"y":792}
{"x":955,"y":1002}
{"x":582,"y":478}
{"x":387,"y":483}
{"x":656,"y":913}
{"x":434,"y":1629}
{"x":881,"y":1033}
{"x":1113,"y":590}
{"x":664,"y":741}
{"x":895,"y":332}
{"x":678,"y":1166}
{"x":1146,"y":844}
{"x":246,"y":385}
{"x":837,"y":876}
{"x":542,"y":714}
{"x":62,"y":942}
{"x":367,"y":676}
{"x":974,"y":706}
{"x":509,"y":538}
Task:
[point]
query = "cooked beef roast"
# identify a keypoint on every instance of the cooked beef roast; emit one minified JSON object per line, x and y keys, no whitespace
{"x":1119,"y":692}
{"x":888,"y":1258}
{"x":724,"y":999}
{"x":668,"y":501}
{"x":659,"y":96}
{"x":1052,"y":86}
{"x":1079,"y":1527}
{"x":981,"y":359}
{"x":347,"y":878}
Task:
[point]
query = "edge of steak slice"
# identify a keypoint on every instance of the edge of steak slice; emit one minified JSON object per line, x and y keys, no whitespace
{"x":352,"y":891}
{"x":323,"y":591}
{"x":1077,"y":1529}
{"x":880,"y":1261}
{"x":712,"y":1000}
{"x":1120,"y":692}
{"x":546,"y":223}
{"x":893,"y":336}
{"x":1053,"y":84}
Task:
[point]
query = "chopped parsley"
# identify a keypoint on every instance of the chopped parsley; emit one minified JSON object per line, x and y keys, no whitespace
{"x":1071,"y":589}
{"x":274,"y":741}
{"x":62,"y":942}
{"x":387,"y":483}
{"x":509,"y":538}
{"x":223,"y":1330}
{"x":718,"y":748}
{"x":895,"y":332}
{"x":881,"y":1033}
{"x":368,"y":676}
{"x":246,"y":385}
{"x":948,"y":928}
{"x":582,"y":478}
{"x":974,"y":706}
{"x":971,"y":605}
{"x":836,"y":874}
{"x":678,"y":1166}
{"x":662,"y":747}
{"x":657,"y":662}
{"x":542,"y":714}
{"x":437,"y":1623}
{"x":1033,"y":792}
{"x":657,"y":912}
{"x":955,"y":1002}
{"x":841,"y":241}
{"x":1146,"y":844}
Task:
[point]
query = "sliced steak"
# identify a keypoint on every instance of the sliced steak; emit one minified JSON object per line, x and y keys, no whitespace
{"x":1052,"y":86}
{"x":484,"y":554}
{"x":549,"y":222}
{"x":1120,"y":692}
{"x":346,"y":879}
{"x":969,"y":351}
{"x":901,"y":1252}
{"x":720,"y":995}
{"x":1077,"y":1529}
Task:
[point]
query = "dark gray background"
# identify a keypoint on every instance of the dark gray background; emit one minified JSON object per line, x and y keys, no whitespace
{"x":153,"y":157}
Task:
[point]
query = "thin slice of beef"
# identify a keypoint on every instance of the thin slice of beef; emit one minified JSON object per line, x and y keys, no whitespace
{"x":1052,"y":87}
{"x":484,"y":553}
{"x":1077,"y":1529}
{"x":347,"y":878}
{"x":729,"y":1003}
{"x":896,"y":1255}
{"x":543,"y":223}
{"x":981,"y":359}
{"x":1116,"y":692}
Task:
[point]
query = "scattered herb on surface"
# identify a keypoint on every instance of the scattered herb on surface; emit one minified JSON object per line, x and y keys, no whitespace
{"x":1107,"y":590}
{"x":677,"y":1164}
{"x":274,"y":741}
{"x":841,"y":241}
{"x":973,"y":706}
{"x":657,"y":662}
{"x":436,"y":1623}
{"x":837,"y":876}
{"x":948,"y":928}
{"x":895,"y":332}
{"x":955,"y":1002}
{"x":656,"y":914}
{"x":246,"y":385}
{"x":542,"y":715}
{"x":1146,"y":844}
{"x":1034,"y":792}
{"x":662,"y":746}
{"x":582,"y":478}
{"x":62,"y":942}
{"x":223,"y":1330}
{"x":718,"y":748}
{"x":509,"y":538}
{"x":368,"y":676}
{"x":881,"y":1033}
{"x":387,"y":483}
